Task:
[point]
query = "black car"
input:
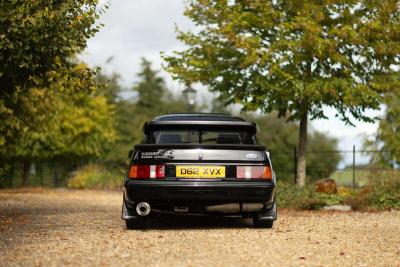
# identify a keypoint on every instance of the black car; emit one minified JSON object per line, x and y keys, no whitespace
{"x":206,"y":164}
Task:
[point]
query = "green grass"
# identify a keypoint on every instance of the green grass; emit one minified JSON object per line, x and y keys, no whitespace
{"x":345,"y":177}
{"x":363,"y":177}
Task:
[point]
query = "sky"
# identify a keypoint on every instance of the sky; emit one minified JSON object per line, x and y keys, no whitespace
{"x":144,"y":28}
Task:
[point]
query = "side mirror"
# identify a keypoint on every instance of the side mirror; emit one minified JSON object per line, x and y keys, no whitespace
{"x":130,"y":153}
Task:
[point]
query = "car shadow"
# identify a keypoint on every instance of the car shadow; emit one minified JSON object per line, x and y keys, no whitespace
{"x":179,"y":222}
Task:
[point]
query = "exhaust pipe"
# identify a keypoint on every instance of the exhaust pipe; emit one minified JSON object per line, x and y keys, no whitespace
{"x":143,"y":208}
{"x":224,"y":208}
{"x":235,"y":207}
{"x":251,"y":207}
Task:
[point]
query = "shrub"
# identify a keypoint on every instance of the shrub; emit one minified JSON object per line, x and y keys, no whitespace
{"x":381,"y":193}
{"x":304,"y":198}
{"x":94,"y":176}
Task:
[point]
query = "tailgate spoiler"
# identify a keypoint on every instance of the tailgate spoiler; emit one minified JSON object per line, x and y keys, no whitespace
{"x":203,"y":125}
{"x":150,"y":147}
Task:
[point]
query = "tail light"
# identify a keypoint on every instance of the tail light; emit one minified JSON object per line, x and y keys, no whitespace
{"x":254,"y":172}
{"x":146,"y":172}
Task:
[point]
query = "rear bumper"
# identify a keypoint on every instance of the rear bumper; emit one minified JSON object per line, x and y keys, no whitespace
{"x":200,"y":192}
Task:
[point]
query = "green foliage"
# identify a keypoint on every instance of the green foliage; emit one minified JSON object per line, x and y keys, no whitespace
{"x":68,"y":124}
{"x":292,"y":56}
{"x":108,"y":86}
{"x":322,"y":160}
{"x":389,"y":130}
{"x":96,"y":177}
{"x":151,"y":88}
{"x":381,"y":193}
{"x":38,"y":39}
{"x":129,"y":120}
{"x":281,"y":138}
{"x":87,"y":126}
{"x":385,"y":195}
{"x":304,"y":198}
{"x":152,"y":98}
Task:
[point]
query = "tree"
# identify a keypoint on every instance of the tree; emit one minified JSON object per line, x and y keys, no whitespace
{"x":280,"y":138}
{"x":323,"y":158}
{"x":70,"y":125}
{"x":39,"y":38}
{"x":294,"y":57}
{"x":153,"y":98}
{"x":389,"y":130}
{"x":109,"y":86}
{"x":39,"y":41}
{"x":151,"y":88}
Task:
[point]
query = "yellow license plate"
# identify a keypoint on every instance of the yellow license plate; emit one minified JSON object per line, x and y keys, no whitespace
{"x":200,"y":171}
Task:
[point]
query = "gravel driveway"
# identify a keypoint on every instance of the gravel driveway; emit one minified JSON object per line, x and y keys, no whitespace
{"x":61,"y":227}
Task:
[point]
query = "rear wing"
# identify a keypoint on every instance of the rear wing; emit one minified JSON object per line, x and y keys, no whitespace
{"x":200,"y":125}
{"x":151,"y":147}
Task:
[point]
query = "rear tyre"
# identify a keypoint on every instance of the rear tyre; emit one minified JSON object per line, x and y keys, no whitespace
{"x":260,"y":223}
{"x":136,"y":223}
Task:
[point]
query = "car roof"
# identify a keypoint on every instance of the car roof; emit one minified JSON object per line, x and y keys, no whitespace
{"x":197,"y":117}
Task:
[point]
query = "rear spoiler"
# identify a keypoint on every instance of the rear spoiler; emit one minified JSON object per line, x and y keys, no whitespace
{"x":203,"y":125}
{"x":151,"y":147}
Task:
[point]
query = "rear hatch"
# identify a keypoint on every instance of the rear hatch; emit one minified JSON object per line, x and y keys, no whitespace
{"x":189,"y":161}
{"x":200,"y":150}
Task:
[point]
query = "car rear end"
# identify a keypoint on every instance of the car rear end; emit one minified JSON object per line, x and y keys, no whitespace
{"x":200,"y":167}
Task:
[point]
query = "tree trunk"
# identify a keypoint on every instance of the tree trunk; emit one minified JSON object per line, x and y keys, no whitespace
{"x":302,"y":152}
{"x":12,"y":172}
{"x":39,"y":169}
{"x":26,"y":167}
{"x":55,"y":174}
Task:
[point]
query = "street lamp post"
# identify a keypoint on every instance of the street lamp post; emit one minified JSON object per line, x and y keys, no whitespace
{"x":190,"y":97}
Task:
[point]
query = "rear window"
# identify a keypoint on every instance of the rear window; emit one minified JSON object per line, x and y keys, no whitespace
{"x":200,"y":137}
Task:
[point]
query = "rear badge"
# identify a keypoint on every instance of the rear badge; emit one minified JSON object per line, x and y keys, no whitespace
{"x":251,"y":156}
{"x":200,"y":156}
{"x":160,"y":154}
